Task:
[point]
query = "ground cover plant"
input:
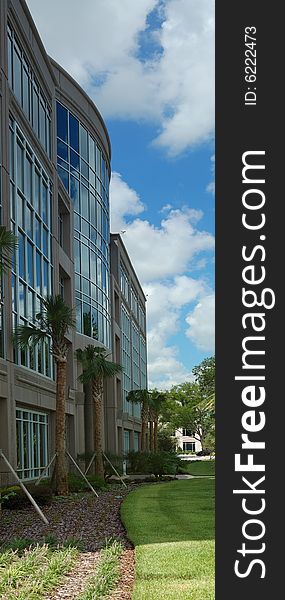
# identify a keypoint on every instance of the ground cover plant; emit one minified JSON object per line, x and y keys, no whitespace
{"x":172,"y":528}
{"x":107,"y":573}
{"x":32,"y":572}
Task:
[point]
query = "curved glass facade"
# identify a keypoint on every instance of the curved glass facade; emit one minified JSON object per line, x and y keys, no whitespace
{"x":84,"y":173}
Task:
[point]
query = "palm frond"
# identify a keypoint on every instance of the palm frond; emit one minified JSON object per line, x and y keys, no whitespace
{"x":26,"y":335}
{"x":138,"y":396}
{"x":95,"y":364}
{"x":8,"y":244}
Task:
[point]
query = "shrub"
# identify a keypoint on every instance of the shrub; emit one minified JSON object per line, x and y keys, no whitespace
{"x":15,"y":497}
{"x":77,"y":484}
{"x":157,"y":463}
{"x":163,"y":463}
{"x":138,"y":462}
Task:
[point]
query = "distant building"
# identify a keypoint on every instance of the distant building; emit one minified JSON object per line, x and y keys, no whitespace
{"x":129,"y":342}
{"x":55,"y":168}
{"x":186,"y":441}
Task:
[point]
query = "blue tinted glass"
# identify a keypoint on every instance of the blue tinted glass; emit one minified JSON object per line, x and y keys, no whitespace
{"x":84,"y":202}
{"x":83,"y":143}
{"x":61,"y":116}
{"x":73,"y":132}
{"x":74,"y":160}
{"x":62,"y":150}
{"x":21,"y":248}
{"x":38,"y":273}
{"x":30,"y":269}
{"x":74,"y":192}
{"x":63,"y":176}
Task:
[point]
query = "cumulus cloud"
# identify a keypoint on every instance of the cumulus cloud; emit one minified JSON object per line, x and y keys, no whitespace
{"x":124,"y":202}
{"x":162,"y":256}
{"x":100,"y":45}
{"x":201,"y":324}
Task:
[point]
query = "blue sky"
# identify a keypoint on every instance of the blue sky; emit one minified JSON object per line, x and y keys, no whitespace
{"x":149,"y":67}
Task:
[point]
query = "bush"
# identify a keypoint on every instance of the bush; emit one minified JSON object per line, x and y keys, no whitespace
{"x":156,"y":463}
{"x":163,"y":463}
{"x":15,"y":498}
{"x":138,"y":462}
{"x":77,"y":484}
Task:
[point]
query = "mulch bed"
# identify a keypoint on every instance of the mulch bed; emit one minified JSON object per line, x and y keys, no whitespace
{"x":81,"y":517}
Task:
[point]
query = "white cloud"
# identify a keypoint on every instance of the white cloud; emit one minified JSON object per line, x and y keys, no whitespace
{"x":100,"y":46}
{"x":201,"y":321}
{"x":162,"y":257}
{"x":124,"y":202}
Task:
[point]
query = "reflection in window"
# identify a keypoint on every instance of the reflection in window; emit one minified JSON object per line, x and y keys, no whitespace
{"x":76,"y":160}
{"x":28,"y":92}
{"x":32,"y":271}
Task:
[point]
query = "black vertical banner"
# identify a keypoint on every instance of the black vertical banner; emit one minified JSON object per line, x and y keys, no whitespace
{"x":250,"y":308}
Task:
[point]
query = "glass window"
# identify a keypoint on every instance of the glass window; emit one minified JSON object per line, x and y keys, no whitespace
{"x":17,"y":80}
{"x":20,"y":167}
{"x":28,"y":178}
{"x":74,"y":132}
{"x":61,"y":119}
{"x":64,"y":177}
{"x":32,"y":443}
{"x":74,"y":192}
{"x":35,"y":110}
{"x":26,"y":93}
{"x":21,"y":250}
{"x":85,"y":261}
{"x":44,"y":203}
{"x":38,"y":272}
{"x":30,"y":265}
{"x":83,"y":143}
{"x":42,"y":120}
{"x":74,"y":160}
{"x":62,"y":150}
{"x":84,"y":202}
{"x":29,"y":222}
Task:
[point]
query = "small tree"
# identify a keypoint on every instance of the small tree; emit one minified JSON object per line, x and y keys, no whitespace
{"x":141,"y":397}
{"x":95,"y":369}
{"x":54,"y":322}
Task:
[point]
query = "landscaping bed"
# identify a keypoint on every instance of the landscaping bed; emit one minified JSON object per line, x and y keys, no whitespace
{"x":82,"y":522}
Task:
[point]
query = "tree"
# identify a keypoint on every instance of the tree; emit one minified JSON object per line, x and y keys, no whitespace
{"x":185,"y":408}
{"x":141,"y":397}
{"x":95,"y":369}
{"x":54,"y":322}
{"x":204,"y":374}
{"x":155,"y":403}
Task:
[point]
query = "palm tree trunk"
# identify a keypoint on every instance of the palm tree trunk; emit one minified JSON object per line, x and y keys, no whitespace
{"x":151,"y":436}
{"x":61,"y":481}
{"x":155,"y":429}
{"x":143,"y":436}
{"x":97,"y":391}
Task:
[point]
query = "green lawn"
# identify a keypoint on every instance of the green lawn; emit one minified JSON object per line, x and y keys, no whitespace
{"x":203,"y":467}
{"x":172,"y":528}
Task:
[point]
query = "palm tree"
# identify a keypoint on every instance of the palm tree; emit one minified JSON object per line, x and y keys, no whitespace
{"x":95,"y":369}
{"x":141,"y":397}
{"x":155,"y":403}
{"x":8,"y":243}
{"x":54,"y":322}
